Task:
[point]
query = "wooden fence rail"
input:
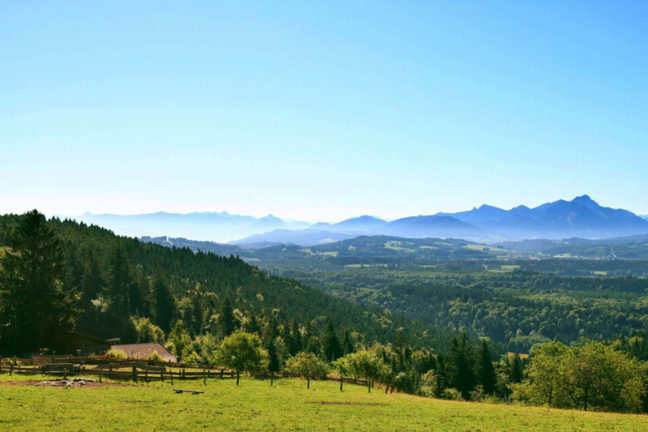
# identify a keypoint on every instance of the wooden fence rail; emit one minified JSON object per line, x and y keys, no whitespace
{"x":140,"y":373}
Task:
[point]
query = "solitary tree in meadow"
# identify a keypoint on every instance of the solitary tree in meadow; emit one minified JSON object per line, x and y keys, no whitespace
{"x":306,"y":364}
{"x":367,"y":364}
{"x":242,"y":352}
{"x":343,"y":368}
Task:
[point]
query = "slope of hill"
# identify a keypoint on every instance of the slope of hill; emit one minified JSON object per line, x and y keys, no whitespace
{"x":362,"y":250}
{"x":118,"y":277}
{"x":305,"y":237}
{"x":255,"y":406}
{"x":431,"y":226}
{"x":627,"y":248}
{"x":195,"y":245}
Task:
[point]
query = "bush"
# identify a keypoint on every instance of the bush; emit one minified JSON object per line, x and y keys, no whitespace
{"x":430,"y":384}
{"x":116,"y":354}
{"x":154,"y":357}
{"x":192,"y":358}
{"x":452,"y":394}
{"x":477,"y":394}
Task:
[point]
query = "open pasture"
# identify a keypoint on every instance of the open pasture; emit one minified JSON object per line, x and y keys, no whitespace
{"x":254,"y":405}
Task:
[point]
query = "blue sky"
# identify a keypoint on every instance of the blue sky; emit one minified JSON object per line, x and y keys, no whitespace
{"x":321,"y":110}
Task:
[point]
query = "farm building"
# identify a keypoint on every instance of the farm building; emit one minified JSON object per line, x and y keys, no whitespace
{"x":143,"y":350}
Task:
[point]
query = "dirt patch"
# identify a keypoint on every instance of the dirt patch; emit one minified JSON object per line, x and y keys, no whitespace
{"x":345,"y":403}
{"x":61,"y":383}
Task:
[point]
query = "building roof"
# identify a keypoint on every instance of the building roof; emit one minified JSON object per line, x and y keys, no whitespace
{"x":143,"y":350}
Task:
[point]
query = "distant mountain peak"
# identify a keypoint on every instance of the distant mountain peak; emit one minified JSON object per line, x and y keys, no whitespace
{"x":584,"y":199}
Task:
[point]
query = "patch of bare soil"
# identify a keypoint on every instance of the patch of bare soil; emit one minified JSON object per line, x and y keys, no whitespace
{"x":344,"y":403}
{"x":76,"y":382}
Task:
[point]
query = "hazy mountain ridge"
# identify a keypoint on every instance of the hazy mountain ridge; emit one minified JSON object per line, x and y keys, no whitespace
{"x":213,"y":226}
{"x":581,"y":217}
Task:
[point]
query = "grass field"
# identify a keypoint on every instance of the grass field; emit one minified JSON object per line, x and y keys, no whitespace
{"x":288,"y":406}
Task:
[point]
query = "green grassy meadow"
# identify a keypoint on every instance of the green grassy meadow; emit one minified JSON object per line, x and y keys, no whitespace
{"x":254,"y":405}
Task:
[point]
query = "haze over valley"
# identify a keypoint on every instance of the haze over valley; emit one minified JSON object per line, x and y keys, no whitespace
{"x":580,"y":217}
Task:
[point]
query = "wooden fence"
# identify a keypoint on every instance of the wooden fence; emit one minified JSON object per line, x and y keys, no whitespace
{"x":140,"y":372}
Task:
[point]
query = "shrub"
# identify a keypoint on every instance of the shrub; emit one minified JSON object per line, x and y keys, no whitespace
{"x":192,"y":358}
{"x":116,"y":354}
{"x":452,"y":394}
{"x":477,"y":394}
{"x":154,"y":357}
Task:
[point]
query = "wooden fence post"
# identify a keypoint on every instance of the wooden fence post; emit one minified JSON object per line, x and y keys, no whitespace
{"x":161,"y":374}
{"x":11,"y":368}
{"x":134,"y":374}
{"x":171,"y":373}
{"x":221,"y":373}
{"x":183,"y":373}
{"x":100,"y":374}
{"x":204,"y":377}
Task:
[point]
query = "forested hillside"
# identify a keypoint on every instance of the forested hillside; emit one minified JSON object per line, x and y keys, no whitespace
{"x":517,"y":309}
{"x":116,"y":279}
{"x":517,"y":301}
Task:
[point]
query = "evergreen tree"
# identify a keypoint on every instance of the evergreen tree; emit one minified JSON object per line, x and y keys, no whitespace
{"x":164,"y":303}
{"x":274,"y":365}
{"x":296,"y":339}
{"x":441,"y":375}
{"x":36,"y":309}
{"x":252,"y":325}
{"x":119,"y":282}
{"x":331,"y":347}
{"x":460,"y":366}
{"x":347,"y":344}
{"x":92,"y":283}
{"x":271,"y":332}
{"x":485,"y":369}
{"x":226,"y":318}
{"x":516,"y":369}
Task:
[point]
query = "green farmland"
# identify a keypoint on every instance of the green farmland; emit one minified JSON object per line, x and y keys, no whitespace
{"x":254,"y":405}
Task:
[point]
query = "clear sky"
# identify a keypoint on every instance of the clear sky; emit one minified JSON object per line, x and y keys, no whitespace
{"x":321,"y":110}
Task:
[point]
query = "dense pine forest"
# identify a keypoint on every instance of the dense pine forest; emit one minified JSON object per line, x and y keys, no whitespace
{"x":488,"y":291}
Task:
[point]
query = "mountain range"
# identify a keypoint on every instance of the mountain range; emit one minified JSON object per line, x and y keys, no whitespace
{"x":581,"y":217}
{"x":213,"y":226}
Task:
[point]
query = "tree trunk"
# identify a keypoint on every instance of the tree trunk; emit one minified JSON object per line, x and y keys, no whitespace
{"x":238,"y":376}
{"x":369,"y":386}
{"x":341,"y":381}
{"x":307,"y":382}
{"x":271,"y":378}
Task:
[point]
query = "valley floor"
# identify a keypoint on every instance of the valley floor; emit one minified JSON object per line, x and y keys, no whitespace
{"x":254,"y":405}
